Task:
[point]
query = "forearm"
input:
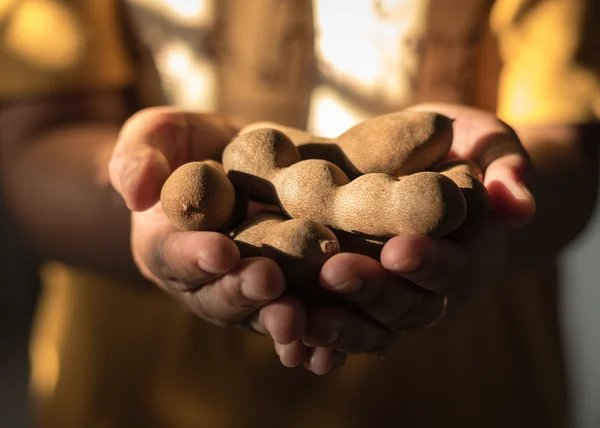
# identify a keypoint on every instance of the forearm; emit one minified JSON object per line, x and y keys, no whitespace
{"x":565,"y":159}
{"x":55,"y":184}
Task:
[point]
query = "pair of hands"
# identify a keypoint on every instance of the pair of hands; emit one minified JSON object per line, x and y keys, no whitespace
{"x":405,"y":290}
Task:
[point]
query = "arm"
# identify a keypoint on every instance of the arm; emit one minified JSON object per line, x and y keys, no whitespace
{"x":53,"y":156}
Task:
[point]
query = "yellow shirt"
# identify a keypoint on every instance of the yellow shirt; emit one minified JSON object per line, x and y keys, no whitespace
{"x":108,"y":355}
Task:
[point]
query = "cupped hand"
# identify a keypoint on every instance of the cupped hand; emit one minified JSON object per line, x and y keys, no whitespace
{"x":201,"y":269}
{"x":417,"y":277}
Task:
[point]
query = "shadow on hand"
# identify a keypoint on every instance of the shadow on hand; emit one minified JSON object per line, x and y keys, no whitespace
{"x":505,"y":207}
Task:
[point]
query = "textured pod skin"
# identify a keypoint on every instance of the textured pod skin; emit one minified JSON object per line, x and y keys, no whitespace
{"x":311,"y":146}
{"x":376,"y":205}
{"x":399,"y":143}
{"x":265,"y":163}
{"x":309,"y":189}
{"x":299,"y":247}
{"x":252,"y":160}
{"x":300,"y":239}
{"x":467,"y":175}
{"x":298,"y":136}
{"x":250,"y":234}
{"x":198,"y":196}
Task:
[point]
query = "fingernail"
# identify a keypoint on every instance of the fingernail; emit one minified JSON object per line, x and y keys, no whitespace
{"x":306,"y":341}
{"x":313,"y":363}
{"x":350,"y":286}
{"x":209,"y":268}
{"x":278,"y":350}
{"x":417,"y":257}
{"x":332,"y":338}
{"x":521,"y":192}
{"x":251,"y":293}
{"x":408,"y":264}
{"x":309,"y":359}
{"x":126,"y":179}
{"x":315,"y":340}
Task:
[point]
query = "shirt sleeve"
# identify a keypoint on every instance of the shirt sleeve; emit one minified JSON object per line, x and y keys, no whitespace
{"x":55,"y":46}
{"x":551,"y":66}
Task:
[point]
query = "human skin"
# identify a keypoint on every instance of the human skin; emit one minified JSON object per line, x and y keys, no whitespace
{"x":54,"y":154}
{"x":435,"y":265}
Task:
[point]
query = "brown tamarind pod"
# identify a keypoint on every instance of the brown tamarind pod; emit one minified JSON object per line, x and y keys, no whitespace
{"x":252,"y":159}
{"x":377,"y":205}
{"x":265,"y":163}
{"x":465,"y":174}
{"x":298,"y":136}
{"x":250,"y":234}
{"x":240,"y":206}
{"x":198,"y":196}
{"x":399,"y":143}
{"x":299,"y":247}
{"x":310,"y":146}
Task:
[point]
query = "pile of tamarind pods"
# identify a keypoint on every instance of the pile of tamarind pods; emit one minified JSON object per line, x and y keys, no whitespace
{"x":383,"y":177}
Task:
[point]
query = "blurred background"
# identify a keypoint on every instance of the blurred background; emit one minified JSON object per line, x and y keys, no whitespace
{"x":581,"y":318}
{"x":170,"y":26}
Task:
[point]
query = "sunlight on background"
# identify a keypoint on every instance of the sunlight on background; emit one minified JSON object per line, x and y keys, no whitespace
{"x":26,"y":37}
{"x":362,"y":49}
{"x":176,"y":59}
{"x":189,"y":78}
{"x":330,"y":114}
{"x":342,"y":43}
{"x":182,"y":12}
{"x":363,"y":44}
